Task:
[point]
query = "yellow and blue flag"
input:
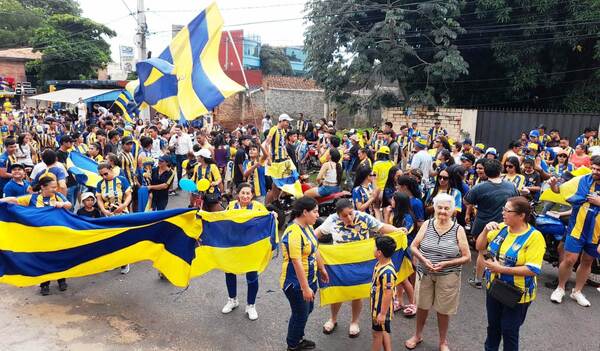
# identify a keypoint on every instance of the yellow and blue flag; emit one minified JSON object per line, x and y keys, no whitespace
{"x":285,"y":177}
{"x":128,"y":107}
{"x":350,"y":268}
{"x":235,"y":241}
{"x":568,"y":189}
{"x":42,"y":244}
{"x":186,"y":80}
{"x":84,"y":169}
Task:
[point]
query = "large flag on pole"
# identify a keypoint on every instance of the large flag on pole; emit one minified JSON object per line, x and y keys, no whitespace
{"x":186,"y":80}
{"x":128,"y":107}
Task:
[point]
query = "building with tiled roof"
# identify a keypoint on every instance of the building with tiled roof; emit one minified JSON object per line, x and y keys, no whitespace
{"x":12,"y":63}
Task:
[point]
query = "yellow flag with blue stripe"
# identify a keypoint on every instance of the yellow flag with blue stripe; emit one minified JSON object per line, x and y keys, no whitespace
{"x":285,"y":177}
{"x":568,"y":189}
{"x":84,"y":169}
{"x":350,"y":268}
{"x":235,"y":241}
{"x":186,"y":80}
{"x":42,"y":244}
{"x":128,"y":108}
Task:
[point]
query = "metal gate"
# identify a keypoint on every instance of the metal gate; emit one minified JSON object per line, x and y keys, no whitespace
{"x":499,"y":128}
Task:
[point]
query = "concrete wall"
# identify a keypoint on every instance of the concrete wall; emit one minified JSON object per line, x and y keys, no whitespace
{"x":458,"y":122}
{"x":292,"y":102}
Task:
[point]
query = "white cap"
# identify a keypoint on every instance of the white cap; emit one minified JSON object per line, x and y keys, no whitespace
{"x":284,"y":117}
{"x":330,"y":123}
{"x":88,"y":194}
{"x":203,"y":152}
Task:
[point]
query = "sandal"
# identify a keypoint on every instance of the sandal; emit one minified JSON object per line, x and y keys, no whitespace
{"x":410,"y":310}
{"x":444,"y":347}
{"x":329,"y":327}
{"x":398,"y":305}
{"x":411,"y":345}
{"x":354,"y":330}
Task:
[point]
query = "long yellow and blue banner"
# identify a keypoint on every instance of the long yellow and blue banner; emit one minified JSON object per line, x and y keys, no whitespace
{"x":42,"y":244}
{"x":350,"y":268}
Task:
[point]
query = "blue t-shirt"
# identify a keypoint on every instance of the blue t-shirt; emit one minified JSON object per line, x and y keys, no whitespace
{"x":418,"y":208}
{"x":15,"y":189}
{"x":58,"y":173}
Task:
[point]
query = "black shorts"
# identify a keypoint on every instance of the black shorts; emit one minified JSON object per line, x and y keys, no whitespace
{"x":385,"y":327}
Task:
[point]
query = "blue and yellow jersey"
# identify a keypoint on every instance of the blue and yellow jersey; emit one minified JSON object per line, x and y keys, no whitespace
{"x":518,"y":249}
{"x":81,"y":148}
{"x":455,"y":193}
{"x":254,"y":205}
{"x":378,"y":144}
{"x":360,"y":228}
{"x":278,"y":150}
{"x":517,"y":179}
{"x":560,"y":169}
{"x":113,"y":191}
{"x":384,"y":279}
{"x":37,"y":200}
{"x":585,"y":218}
{"x":361,"y":194}
{"x":381,"y":170}
{"x":298,"y":243}
{"x":256,"y":178}
{"x":211,"y":172}
{"x":128,"y":167}
{"x":435,"y":132}
{"x":366,"y":163}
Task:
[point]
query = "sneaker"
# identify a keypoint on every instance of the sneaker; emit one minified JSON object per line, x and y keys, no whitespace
{"x":230,"y":305}
{"x":580,"y":298}
{"x":45,"y":290}
{"x":476,"y":283}
{"x":306,"y":344}
{"x":251,"y":311}
{"x":62,"y":285}
{"x":557,"y":295}
{"x":125,"y":269}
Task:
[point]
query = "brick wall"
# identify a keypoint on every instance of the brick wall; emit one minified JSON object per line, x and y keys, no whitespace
{"x":15,"y":69}
{"x":452,"y":119}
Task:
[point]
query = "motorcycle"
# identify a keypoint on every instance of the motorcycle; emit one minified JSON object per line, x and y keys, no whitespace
{"x":313,"y":164}
{"x":554,"y":231}
{"x":283,"y":205}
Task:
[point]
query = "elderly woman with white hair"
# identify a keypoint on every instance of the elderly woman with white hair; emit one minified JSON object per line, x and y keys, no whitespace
{"x":439,"y":250}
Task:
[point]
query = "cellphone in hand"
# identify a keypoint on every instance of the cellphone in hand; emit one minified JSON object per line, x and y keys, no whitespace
{"x":488,"y":256}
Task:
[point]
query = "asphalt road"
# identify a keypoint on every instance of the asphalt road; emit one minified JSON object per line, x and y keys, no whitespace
{"x":138,"y":311}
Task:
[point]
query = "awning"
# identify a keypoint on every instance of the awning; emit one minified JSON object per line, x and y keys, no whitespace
{"x":71,"y":96}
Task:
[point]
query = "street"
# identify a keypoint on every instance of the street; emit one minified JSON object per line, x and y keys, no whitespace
{"x":138,"y":311}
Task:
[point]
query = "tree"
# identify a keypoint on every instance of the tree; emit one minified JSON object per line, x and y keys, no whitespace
{"x":274,"y":61}
{"x":531,"y":53}
{"x":72,"y":47}
{"x":18,"y":23}
{"x":53,"y":7}
{"x":357,"y":45}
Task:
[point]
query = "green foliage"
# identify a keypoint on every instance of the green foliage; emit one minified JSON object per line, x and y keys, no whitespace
{"x":531,"y":53}
{"x":273,"y":61}
{"x":388,"y":52}
{"x":53,"y":7}
{"x":72,"y":47}
{"x":17,"y":23}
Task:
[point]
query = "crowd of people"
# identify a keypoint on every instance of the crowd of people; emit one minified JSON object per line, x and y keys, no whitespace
{"x":449,"y":196}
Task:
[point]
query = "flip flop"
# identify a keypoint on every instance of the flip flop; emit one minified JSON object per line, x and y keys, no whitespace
{"x":410,"y":311}
{"x":412,"y":346}
{"x":398,"y":306}
{"x":354,"y":330}
{"x":329,"y":327}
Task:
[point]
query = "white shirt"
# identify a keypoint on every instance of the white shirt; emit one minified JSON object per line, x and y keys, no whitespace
{"x":42,"y":167}
{"x":266,"y":124}
{"x":103,"y":111}
{"x":156,"y":150}
{"x":422,"y":160}
{"x":164,"y":122}
{"x":183,"y":144}
{"x":81,"y":109}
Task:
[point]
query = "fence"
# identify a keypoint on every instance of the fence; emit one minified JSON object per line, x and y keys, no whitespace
{"x":499,"y":128}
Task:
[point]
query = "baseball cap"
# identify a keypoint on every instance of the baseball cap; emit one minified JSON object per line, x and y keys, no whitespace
{"x":422,"y":143}
{"x":384,"y":150}
{"x":468,"y":157}
{"x":468,"y":141}
{"x":87,"y":195}
{"x":492,"y":151}
{"x":541,"y":126}
{"x":285,"y":117}
{"x":203,"y":152}
{"x":16,"y":165}
{"x":66,"y":139}
{"x":532,"y":146}
{"x":534,"y":133}
{"x":354,"y":137}
{"x":480,"y":147}
{"x":164,"y":159}
{"x":127,"y":140}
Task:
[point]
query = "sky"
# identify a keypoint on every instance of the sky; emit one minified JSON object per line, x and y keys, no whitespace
{"x":161,"y":14}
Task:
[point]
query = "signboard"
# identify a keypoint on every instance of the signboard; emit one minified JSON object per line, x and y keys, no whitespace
{"x":176,"y":28}
{"x":127,"y":54}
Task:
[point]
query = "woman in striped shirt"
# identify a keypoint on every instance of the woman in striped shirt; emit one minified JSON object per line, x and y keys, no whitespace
{"x":438,"y":251}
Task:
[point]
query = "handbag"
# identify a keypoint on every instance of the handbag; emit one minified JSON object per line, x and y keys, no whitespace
{"x":506,"y":293}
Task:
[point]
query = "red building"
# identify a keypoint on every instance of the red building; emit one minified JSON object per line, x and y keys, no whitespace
{"x":230,"y":62}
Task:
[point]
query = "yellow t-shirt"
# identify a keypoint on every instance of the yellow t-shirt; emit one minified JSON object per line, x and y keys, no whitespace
{"x":381,"y":169}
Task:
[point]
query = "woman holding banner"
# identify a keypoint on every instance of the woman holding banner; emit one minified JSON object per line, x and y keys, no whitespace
{"x":244,"y":201}
{"x":439,"y":250}
{"x":47,"y":195}
{"x":347,"y":225}
{"x":299,"y":271}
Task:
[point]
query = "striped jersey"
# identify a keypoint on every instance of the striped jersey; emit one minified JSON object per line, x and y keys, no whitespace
{"x":37,"y":200}
{"x":384,"y":279}
{"x":298,"y":243}
{"x":278,"y":150}
{"x":438,"y":247}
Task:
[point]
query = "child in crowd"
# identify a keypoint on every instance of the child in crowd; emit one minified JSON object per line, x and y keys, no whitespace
{"x":89,"y":208}
{"x":382,"y":293}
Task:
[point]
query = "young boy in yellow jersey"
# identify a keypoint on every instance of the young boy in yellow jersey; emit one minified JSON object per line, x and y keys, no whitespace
{"x":382,"y":292}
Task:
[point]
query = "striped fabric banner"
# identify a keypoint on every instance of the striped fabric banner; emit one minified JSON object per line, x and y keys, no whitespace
{"x":350,"y":268}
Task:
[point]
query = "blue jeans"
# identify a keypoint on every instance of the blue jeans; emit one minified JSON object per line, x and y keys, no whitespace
{"x":251,"y":280}
{"x":503,"y":324}
{"x":300,"y":312}
{"x":72,"y":193}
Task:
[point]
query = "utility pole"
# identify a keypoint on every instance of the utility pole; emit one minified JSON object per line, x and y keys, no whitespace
{"x":142,"y":28}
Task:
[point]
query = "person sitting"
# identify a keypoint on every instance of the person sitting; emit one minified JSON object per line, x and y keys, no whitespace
{"x":330,"y":176}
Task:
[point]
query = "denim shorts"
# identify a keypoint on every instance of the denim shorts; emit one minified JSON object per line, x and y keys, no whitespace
{"x":325,"y":190}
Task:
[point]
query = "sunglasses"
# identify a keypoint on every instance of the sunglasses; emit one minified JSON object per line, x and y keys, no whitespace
{"x":509,"y":166}
{"x":105,"y":174}
{"x":372,"y":175}
{"x":504,"y":209}
{"x":561,"y":156}
{"x":443,"y":178}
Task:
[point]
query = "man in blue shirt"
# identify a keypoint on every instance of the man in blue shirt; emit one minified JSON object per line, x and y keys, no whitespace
{"x":6,"y":160}
{"x":17,"y":186}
